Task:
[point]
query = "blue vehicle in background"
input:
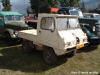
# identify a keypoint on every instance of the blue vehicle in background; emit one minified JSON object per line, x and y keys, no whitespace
{"x":92,"y":37}
{"x":11,"y":23}
{"x":96,"y":17}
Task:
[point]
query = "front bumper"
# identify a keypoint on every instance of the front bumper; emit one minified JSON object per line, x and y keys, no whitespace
{"x":64,"y":51}
{"x":81,"y":45}
{"x":70,"y":49}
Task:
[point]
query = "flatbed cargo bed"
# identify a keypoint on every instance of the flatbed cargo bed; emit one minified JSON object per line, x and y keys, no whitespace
{"x":28,"y":34}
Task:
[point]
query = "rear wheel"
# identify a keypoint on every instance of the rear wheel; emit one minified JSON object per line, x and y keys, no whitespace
{"x":27,"y":46}
{"x":49,"y":56}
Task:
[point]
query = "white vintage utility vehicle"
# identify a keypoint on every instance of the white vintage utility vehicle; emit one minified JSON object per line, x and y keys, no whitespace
{"x":56,"y":34}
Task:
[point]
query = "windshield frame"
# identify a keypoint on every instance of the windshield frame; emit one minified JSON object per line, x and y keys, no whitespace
{"x":68,"y":26}
{"x":13,"y":18}
{"x":45,"y":19}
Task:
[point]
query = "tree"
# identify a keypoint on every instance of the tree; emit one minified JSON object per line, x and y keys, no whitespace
{"x":73,"y":2}
{"x":64,"y":2}
{"x":44,"y":5}
{"x":6,"y":5}
{"x":39,"y":6}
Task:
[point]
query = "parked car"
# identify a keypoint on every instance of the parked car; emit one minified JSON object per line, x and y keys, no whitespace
{"x":10,"y":23}
{"x":71,"y":11}
{"x":92,"y":37}
{"x":97,"y":24}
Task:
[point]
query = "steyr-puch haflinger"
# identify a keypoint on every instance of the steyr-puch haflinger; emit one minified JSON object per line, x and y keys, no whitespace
{"x":56,"y":34}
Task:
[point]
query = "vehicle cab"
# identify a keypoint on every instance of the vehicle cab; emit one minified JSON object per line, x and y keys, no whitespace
{"x":72,"y":26}
{"x":61,"y":32}
{"x":54,"y":30}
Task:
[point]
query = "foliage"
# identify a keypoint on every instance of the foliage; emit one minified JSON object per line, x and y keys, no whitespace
{"x":73,"y":2}
{"x":37,"y":5}
{"x":6,"y":4}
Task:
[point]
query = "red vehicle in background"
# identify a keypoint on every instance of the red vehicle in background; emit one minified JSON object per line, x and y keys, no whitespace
{"x":31,"y":19}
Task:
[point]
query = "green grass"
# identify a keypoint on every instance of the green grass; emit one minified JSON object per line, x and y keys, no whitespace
{"x":14,"y":62}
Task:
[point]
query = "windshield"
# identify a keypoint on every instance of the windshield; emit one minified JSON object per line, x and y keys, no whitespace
{"x":76,"y":12}
{"x":67,"y":23}
{"x":97,"y":17}
{"x":11,"y":18}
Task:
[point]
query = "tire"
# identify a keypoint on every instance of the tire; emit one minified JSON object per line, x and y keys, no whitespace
{"x":71,"y":54}
{"x":27,"y":46}
{"x":11,"y":41}
{"x":8,"y":38}
{"x":49,"y":56}
{"x":7,"y":35}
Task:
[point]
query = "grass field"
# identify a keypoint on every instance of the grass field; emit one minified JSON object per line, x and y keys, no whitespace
{"x":14,"y":62}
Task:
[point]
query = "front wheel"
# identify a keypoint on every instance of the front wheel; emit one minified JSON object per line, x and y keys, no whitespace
{"x":27,"y":46}
{"x":49,"y":56}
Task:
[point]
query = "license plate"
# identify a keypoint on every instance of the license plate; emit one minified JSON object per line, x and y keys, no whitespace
{"x":80,"y":46}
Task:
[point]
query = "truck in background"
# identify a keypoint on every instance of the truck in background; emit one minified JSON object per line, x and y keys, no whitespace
{"x":10,"y":23}
{"x":90,"y":6}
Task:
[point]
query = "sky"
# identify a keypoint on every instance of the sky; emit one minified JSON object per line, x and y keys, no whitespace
{"x":91,"y":4}
{"x":20,"y":5}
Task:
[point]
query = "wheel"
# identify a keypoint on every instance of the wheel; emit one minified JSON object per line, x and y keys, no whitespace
{"x":7,"y":36}
{"x":71,"y":54}
{"x":10,"y":40}
{"x":27,"y":46}
{"x":49,"y":56}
